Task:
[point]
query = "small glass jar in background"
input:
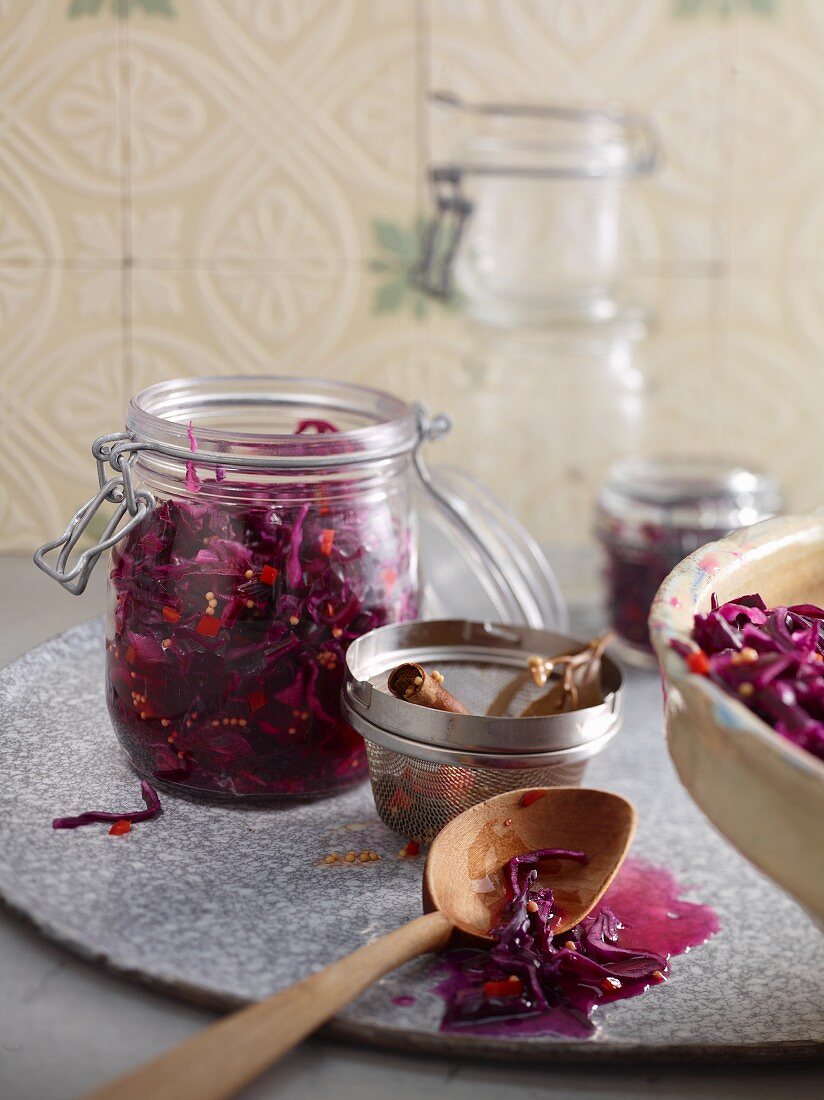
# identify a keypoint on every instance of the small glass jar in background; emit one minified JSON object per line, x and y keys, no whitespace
{"x":652,"y":514}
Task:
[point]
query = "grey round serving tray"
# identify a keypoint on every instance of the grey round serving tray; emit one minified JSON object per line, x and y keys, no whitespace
{"x":221,"y":905}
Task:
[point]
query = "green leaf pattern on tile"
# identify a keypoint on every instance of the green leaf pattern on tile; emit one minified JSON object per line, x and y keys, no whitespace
{"x":686,"y":9}
{"x":398,"y":251}
{"x":121,"y":8}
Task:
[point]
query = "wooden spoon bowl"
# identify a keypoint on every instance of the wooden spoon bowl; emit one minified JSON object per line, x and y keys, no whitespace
{"x":463,"y":879}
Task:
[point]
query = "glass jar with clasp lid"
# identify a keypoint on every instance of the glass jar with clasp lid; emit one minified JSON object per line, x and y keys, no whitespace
{"x":261,"y":525}
{"x":529,"y":221}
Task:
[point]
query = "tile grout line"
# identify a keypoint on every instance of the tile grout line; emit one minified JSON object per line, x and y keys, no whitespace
{"x":423,"y":72}
{"x":126,"y":209}
{"x":724,"y":212}
{"x":422,"y":82}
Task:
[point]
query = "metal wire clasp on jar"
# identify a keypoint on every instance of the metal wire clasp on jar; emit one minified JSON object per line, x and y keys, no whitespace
{"x":427,"y":766}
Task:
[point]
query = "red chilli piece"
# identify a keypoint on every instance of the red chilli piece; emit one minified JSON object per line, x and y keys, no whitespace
{"x":698,"y":662}
{"x":512,"y":988}
{"x":131,"y":654}
{"x":268,"y":574}
{"x":327,"y":538}
{"x":120,"y":827}
{"x":209,"y":625}
{"x":256,"y":701}
{"x":400,"y":800}
{"x":532,"y":796}
{"x":170,"y":615}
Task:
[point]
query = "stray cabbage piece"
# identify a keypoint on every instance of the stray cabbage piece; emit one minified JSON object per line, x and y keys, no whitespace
{"x":770,"y":658}
{"x":120,"y":819}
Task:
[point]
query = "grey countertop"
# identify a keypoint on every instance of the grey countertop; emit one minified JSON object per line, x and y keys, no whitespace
{"x":65,"y":1026}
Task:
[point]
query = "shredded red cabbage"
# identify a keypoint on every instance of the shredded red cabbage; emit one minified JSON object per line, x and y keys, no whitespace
{"x":319,"y":426}
{"x":230,"y":624}
{"x":636,"y":569}
{"x":770,"y":658}
{"x":530,"y":973}
{"x":153,"y":808}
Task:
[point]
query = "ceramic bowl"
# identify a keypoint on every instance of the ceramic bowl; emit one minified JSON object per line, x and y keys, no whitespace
{"x":762,"y":792}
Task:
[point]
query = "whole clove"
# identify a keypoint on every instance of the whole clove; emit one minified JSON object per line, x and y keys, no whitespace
{"x":414,"y":684}
{"x":574,"y":678}
{"x":579,"y":683}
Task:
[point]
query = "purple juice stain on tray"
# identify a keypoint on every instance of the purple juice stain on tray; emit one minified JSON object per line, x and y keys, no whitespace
{"x":533,"y":983}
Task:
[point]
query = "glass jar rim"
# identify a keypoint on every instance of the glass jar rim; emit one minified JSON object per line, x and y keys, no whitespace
{"x":684,"y":493}
{"x":172,"y":417}
{"x":678,"y":479}
{"x":560,"y":140}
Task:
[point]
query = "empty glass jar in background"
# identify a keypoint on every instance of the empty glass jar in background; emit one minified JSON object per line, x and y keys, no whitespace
{"x":652,"y":514}
{"x":530,"y":210}
{"x":545,"y":413}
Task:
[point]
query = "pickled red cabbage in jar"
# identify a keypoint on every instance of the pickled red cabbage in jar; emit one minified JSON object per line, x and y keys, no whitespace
{"x":228,"y":629}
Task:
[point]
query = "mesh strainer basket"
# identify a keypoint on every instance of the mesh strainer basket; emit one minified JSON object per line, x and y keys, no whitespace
{"x":427,"y":766}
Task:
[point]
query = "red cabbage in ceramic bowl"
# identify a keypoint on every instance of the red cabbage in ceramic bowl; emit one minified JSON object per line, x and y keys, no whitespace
{"x":762,"y":788}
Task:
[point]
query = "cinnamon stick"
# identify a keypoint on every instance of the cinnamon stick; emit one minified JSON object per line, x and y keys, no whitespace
{"x":414,"y":684}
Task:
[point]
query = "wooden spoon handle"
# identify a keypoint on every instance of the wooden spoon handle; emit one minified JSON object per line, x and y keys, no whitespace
{"x":219,"y":1061}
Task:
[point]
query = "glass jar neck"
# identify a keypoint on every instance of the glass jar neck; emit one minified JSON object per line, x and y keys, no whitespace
{"x":271,"y":423}
{"x":247,"y":440}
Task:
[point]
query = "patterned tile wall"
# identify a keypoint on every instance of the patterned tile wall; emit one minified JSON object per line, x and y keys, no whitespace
{"x":202,"y":186}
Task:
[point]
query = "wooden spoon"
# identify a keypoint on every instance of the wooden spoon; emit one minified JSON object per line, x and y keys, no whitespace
{"x":463,"y":894}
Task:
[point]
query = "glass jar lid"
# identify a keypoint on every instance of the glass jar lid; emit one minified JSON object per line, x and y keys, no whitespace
{"x":684,"y":494}
{"x":478,"y":560}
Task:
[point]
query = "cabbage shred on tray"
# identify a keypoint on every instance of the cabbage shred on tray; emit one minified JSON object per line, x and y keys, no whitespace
{"x":772,"y":659}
